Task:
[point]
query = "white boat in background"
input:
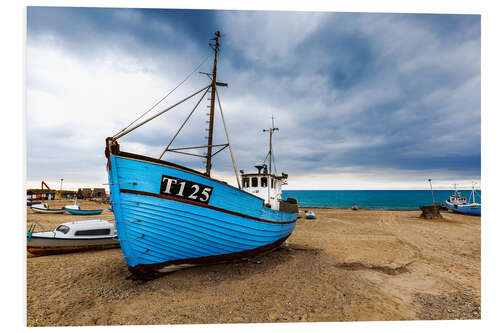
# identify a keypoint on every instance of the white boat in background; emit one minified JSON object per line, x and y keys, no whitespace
{"x":72,"y":237}
{"x":310,"y":215}
{"x":45,"y":209}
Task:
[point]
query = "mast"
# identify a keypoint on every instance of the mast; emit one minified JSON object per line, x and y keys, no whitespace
{"x":270,"y":153}
{"x":212,"y":103}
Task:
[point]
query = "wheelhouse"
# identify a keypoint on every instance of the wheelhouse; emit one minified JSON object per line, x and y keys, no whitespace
{"x":264,"y":185}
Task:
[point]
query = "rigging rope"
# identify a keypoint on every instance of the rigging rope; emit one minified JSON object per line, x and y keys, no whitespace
{"x":161,"y":100}
{"x":227,"y":136}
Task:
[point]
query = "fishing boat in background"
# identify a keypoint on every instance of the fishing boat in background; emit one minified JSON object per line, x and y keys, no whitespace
{"x":31,"y":203}
{"x":72,"y":237}
{"x":169,"y":216}
{"x":458,"y":203}
{"x":83,"y":211}
{"x":43,"y":208}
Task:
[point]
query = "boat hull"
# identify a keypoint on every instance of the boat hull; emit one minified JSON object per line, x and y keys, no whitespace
{"x":464,"y":209}
{"x":48,"y":210}
{"x":83,"y":212}
{"x":47,"y":246}
{"x":158,"y":230}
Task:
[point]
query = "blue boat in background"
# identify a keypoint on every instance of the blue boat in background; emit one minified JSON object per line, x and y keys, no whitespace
{"x":459,"y":204}
{"x":169,"y":216}
{"x":83,"y":211}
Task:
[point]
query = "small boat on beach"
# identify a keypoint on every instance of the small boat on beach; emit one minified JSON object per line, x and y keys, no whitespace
{"x":72,"y":237}
{"x":31,"y":203}
{"x":169,"y":216}
{"x":458,"y":203}
{"x":43,"y":208}
{"x":83,"y":211}
{"x":310,"y":215}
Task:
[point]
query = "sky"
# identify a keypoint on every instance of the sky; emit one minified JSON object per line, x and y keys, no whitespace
{"x":362,"y":100}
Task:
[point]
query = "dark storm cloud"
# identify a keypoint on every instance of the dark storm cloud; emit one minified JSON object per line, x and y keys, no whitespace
{"x":375,"y":91}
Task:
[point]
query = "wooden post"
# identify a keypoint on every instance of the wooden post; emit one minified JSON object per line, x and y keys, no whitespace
{"x":430,"y":212}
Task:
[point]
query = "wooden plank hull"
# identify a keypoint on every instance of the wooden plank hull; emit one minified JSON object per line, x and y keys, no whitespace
{"x":464,"y":209}
{"x":158,"y":231}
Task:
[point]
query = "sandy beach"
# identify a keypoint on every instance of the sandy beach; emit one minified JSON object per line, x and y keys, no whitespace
{"x":343,"y":266}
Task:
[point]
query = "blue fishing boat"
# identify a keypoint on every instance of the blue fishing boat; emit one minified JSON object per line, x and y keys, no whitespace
{"x":83,"y":211}
{"x":458,"y":203}
{"x":169,"y":216}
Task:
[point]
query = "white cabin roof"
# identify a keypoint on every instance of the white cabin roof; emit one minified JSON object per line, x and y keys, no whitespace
{"x":88,"y":224}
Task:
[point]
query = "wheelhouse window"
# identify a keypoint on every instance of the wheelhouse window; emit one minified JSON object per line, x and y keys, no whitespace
{"x":263,"y":181}
{"x":272,"y":183}
{"x":255,"y":182}
{"x":246,"y":182}
{"x":63,"y":228}
{"x":92,"y":232}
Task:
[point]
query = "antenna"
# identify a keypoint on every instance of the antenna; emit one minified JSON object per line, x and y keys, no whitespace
{"x":271,"y":130}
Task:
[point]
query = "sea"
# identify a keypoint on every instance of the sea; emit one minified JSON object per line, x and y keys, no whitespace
{"x":372,"y":199}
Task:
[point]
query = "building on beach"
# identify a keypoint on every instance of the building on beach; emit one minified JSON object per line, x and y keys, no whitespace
{"x":89,"y":193}
{"x":40,"y":194}
{"x":84,"y":193}
{"x":98,"y":193}
{"x":65,"y":194}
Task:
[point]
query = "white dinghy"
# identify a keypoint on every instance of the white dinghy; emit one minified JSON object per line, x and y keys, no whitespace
{"x":72,"y":237}
{"x":45,"y":209}
{"x":310,"y":215}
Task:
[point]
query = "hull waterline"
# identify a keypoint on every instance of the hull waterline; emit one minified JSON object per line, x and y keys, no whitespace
{"x":47,"y":211}
{"x":48,"y":246}
{"x":464,"y":209}
{"x":83,"y":212}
